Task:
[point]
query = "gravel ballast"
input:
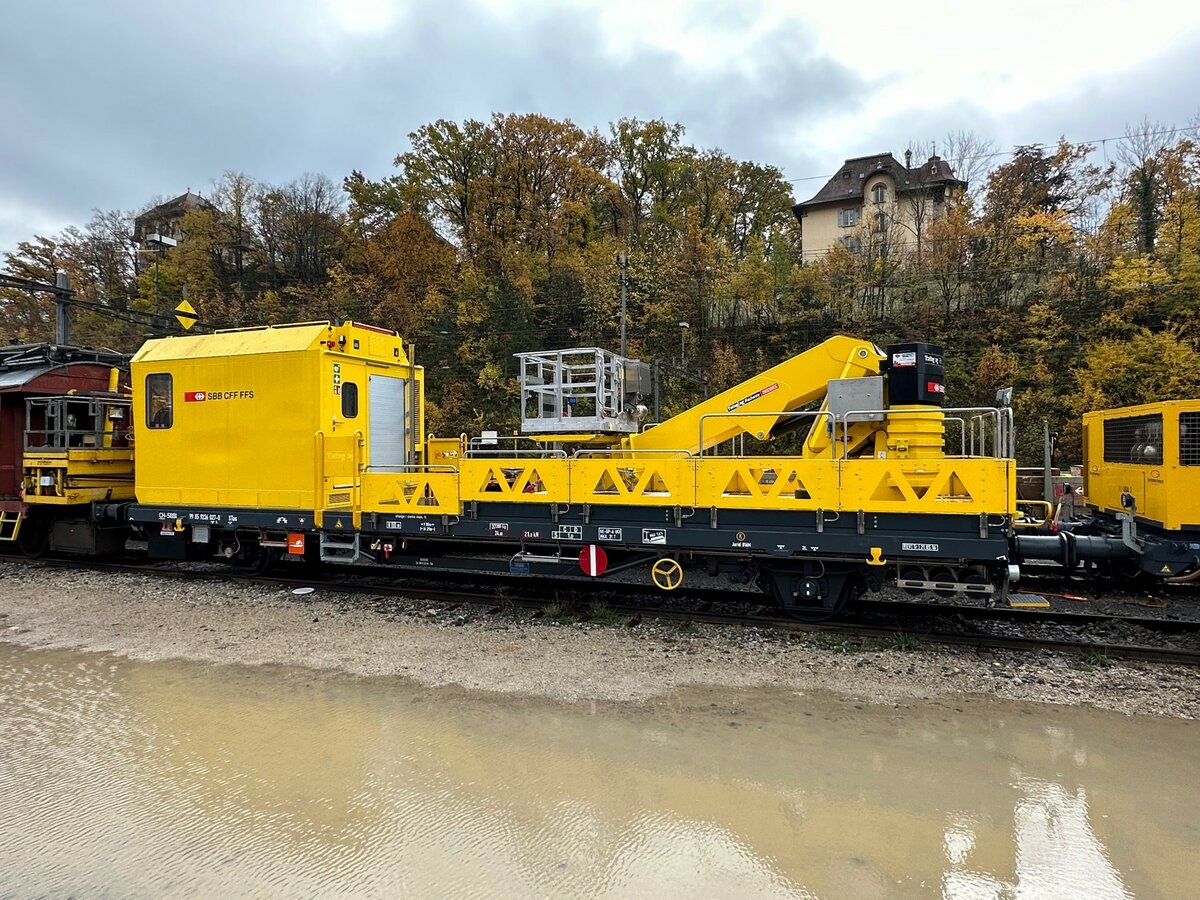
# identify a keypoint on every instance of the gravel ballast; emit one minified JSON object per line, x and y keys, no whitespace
{"x":150,"y":617}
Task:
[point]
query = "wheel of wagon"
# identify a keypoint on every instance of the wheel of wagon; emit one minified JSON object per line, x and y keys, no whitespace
{"x":258,"y":561}
{"x":795,"y":593}
{"x":846,"y":594}
{"x":914,"y":573}
{"x":34,"y":537}
{"x":667,"y":573}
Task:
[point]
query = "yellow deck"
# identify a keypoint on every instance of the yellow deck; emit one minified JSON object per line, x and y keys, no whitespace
{"x":940,"y":486}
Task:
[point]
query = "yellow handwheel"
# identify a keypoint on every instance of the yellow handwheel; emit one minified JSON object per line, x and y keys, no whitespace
{"x":667,"y":574}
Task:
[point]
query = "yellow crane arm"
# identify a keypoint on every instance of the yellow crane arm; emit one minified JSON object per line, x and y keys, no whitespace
{"x":784,"y":388}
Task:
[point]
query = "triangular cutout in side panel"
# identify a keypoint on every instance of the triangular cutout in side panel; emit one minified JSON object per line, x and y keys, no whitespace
{"x":889,"y":490}
{"x":533,"y":483}
{"x":606,"y":484}
{"x":793,"y":485}
{"x":737,"y":486}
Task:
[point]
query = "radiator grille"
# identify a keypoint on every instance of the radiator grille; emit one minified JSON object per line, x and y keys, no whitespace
{"x":1189,"y":439}
{"x":1134,"y":439}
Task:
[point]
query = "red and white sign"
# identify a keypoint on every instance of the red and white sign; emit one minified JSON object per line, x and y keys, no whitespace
{"x":934,"y":388}
{"x":296,"y":544}
{"x":194,"y":396}
{"x":593,"y":560}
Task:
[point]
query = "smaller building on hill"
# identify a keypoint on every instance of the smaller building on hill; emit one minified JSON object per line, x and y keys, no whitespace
{"x":165,"y":219}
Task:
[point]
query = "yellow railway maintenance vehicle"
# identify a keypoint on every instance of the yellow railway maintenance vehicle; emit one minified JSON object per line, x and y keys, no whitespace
{"x":1141,"y":486}
{"x":305,"y":440}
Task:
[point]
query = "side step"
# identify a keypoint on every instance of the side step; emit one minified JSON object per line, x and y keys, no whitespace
{"x":340,"y":547}
{"x":10,"y":525}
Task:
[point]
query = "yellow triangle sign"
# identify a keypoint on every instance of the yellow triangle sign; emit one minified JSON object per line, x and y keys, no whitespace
{"x":185,"y":313}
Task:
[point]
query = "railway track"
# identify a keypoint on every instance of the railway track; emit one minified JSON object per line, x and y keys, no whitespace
{"x":930,"y":622}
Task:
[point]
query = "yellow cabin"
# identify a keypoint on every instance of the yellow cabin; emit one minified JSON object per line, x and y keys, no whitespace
{"x":223,"y":419}
{"x":1148,"y":454}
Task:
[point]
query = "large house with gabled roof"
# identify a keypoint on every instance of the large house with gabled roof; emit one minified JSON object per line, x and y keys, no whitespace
{"x":877,"y":195}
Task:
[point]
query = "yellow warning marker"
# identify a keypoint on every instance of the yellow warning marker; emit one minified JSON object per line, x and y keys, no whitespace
{"x":186,"y":315}
{"x":1028,"y":601}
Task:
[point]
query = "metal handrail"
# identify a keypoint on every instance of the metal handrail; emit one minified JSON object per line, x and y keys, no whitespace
{"x":632,"y":454}
{"x":962,"y":432}
{"x":477,"y":442}
{"x":516,"y":454}
{"x":57,"y":439}
{"x":735,"y":414}
{"x":437,"y":469}
{"x":1001,"y":437}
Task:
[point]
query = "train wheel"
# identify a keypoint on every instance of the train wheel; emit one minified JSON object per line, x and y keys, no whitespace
{"x":811,"y":596}
{"x":944,"y":576}
{"x":914,"y":573}
{"x":34,"y":537}
{"x":258,"y":561}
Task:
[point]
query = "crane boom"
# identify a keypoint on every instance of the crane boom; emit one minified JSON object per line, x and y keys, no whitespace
{"x":781,"y":389}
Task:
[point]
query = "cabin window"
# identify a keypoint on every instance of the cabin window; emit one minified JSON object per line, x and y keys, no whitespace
{"x":349,"y":400}
{"x":159,"y":411}
{"x":1134,"y":439}
{"x":1189,"y":439}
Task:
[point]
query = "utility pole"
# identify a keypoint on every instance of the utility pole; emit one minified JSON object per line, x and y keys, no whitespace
{"x":623,"y":265}
{"x":1047,"y":462}
{"x":657,"y":382}
{"x":62,"y":311}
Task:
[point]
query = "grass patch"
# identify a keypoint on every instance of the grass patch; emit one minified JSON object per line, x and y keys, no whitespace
{"x":841,"y":643}
{"x":559,"y":613}
{"x":1094,"y":659}
{"x":602,"y":614}
{"x":906,"y":642}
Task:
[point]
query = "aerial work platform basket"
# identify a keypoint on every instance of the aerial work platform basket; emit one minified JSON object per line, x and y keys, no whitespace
{"x":582,"y":390}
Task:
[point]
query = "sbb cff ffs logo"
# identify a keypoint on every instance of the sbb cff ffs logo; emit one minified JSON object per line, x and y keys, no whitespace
{"x":201,"y":396}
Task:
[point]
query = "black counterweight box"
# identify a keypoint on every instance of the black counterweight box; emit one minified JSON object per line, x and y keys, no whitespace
{"x":916,"y":375}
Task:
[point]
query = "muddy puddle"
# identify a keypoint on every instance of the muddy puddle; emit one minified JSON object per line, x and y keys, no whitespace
{"x":129,"y":779}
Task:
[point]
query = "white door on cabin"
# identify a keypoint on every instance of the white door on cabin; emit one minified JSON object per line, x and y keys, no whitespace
{"x":387,"y":432}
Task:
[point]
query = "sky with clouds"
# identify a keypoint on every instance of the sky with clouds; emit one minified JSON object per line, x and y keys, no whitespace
{"x":109,"y":104}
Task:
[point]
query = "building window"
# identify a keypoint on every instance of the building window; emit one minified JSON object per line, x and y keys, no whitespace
{"x":880,"y":223}
{"x":349,"y":400}
{"x":848,"y":218}
{"x":879,"y":193}
{"x":158,"y":401}
{"x":853,"y":244}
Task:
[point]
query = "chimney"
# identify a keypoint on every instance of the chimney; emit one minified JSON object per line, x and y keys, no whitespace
{"x":908,"y":159}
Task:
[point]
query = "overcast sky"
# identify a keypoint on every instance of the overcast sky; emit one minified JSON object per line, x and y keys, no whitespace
{"x":108,"y":104}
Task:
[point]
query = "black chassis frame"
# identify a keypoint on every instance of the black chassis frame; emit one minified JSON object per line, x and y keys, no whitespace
{"x":546,"y":539}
